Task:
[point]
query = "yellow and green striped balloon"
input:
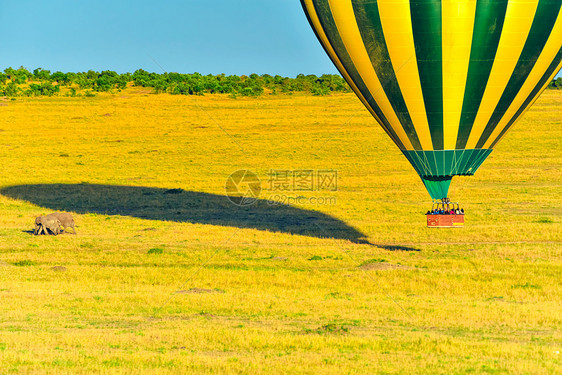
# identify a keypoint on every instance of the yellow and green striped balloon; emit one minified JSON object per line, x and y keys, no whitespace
{"x":446,"y":79}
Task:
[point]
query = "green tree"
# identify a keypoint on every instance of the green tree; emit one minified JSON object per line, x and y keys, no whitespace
{"x":41,"y":74}
{"x":12,"y":90}
{"x":22,"y":75}
{"x":59,"y":77}
{"x":556,"y":84}
{"x":10,"y":73}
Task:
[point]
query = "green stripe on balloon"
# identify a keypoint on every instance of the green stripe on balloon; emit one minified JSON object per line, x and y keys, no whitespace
{"x":543,"y":81}
{"x":437,"y":168}
{"x":545,"y":18}
{"x":370,"y":26}
{"x":440,"y":163}
{"x":427,"y":30}
{"x":437,"y":187}
{"x":327,"y":20}
{"x":488,"y":24}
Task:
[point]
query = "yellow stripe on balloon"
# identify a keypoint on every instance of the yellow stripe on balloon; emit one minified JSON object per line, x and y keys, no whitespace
{"x":457,"y":25}
{"x":344,"y":17}
{"x":399,"y":37}
{"x":326,"y":43}
{"x":535,"y":98}
{"x":518,"y":20}
{"x":546,"y":57}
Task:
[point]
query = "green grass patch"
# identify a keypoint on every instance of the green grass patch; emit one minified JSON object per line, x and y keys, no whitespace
{"x":156,"y":250}
{"x":24,"y":263}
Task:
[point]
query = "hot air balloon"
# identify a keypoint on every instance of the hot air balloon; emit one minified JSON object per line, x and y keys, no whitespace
{"x":446,"y":79}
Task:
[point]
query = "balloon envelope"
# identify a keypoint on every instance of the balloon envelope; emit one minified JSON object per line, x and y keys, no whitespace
{"x":446,"y":79}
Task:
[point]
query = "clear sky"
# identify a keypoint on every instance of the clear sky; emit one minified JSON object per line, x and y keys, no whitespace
{"x":206,"y":36}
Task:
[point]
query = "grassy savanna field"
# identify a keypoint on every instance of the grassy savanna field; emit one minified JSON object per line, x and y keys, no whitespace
{"x":160,"y":280}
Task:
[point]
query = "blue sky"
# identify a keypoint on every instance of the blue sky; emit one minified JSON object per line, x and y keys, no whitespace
{"x":206,"y":36}
{"x":218,"y":36}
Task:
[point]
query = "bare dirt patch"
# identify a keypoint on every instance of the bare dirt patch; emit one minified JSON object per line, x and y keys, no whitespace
{"x":380,"y":266}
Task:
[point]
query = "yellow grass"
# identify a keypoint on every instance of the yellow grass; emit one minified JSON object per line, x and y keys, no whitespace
{"x":158,"y":281}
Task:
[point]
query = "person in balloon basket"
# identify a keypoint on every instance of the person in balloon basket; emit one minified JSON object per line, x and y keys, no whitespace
{"x":445,"y":212}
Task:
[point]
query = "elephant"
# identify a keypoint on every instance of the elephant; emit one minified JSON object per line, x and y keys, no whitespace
{"x":47,"y":225}
{"x":66,"y":219}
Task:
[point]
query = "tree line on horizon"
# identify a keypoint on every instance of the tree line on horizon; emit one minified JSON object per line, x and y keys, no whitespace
{"x":40,"y":82}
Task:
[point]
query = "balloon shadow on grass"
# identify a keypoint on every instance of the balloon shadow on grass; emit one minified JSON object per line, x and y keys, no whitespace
{"x":187,"y":207}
